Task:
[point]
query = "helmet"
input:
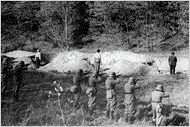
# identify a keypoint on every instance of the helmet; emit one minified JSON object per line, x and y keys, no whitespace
{"x":160,"y":88}
{"x":98,"y":50}
{"x":21,"y":63}
{"x":80,"y":72}
{"x":94,"y":74}
{"x":113,"y":75}
{"x":132,"y":80}
{"x":172,"y":53}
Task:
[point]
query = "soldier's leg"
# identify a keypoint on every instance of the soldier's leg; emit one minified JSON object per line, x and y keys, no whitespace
{"x":154,"y":112}
{"x":132,"y":111}
{"x":92,"y":104}
{"x":113,"y":104}
{"x":126,"y":113}
{"x":76,"y":101}
{"x":171,"y":69}
{"x":108,"y":109}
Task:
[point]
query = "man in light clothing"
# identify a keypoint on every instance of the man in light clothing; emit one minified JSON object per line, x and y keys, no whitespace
{"x":38,"y":58}
{"x":97,"y":61}
{"x":157,"y":105}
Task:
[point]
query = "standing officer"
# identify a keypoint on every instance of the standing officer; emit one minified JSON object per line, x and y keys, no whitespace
{"x":5,"y":71}
{"x":172,"y":60}
{"x":76,"y":88}
{"x":18,"y":78}
{"x":157,"y":105}
{"x":130,"y":99}
{"x":97,"y":61}
{"x":111,"y":95}
{"x":92,"y":91}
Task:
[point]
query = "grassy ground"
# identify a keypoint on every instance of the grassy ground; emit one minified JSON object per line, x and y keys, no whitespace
{"x":36,"y":109}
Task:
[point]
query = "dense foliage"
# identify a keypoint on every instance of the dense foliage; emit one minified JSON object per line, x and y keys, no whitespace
{"x":143,"y":24}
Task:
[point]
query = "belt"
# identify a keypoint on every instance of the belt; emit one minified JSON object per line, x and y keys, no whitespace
{"x":128,"y":93}
{"x":155,"y":102}
{"x":109,"y":89}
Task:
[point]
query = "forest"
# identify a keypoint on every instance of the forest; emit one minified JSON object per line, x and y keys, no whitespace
{"x":145,"y":25}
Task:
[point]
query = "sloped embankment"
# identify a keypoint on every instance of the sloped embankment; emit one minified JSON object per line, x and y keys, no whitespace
{"x":121,"y":62}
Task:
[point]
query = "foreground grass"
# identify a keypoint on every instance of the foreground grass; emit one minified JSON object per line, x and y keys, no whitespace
{"x":36,"y":109}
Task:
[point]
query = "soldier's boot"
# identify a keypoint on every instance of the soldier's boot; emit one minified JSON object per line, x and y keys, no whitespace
{"x":112,"y":115}
{"x":108,"y":114}
{"x":130,"y":119}
{"x":125,"y":118}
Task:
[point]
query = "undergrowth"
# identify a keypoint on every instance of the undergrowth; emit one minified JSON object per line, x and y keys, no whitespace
{"x":35,"y":108}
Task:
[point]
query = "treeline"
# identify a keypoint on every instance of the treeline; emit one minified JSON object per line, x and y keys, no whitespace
{"x":143,"y":24}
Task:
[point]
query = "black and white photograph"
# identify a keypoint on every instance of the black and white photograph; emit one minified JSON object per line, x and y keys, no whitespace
{"x":95,"y":63}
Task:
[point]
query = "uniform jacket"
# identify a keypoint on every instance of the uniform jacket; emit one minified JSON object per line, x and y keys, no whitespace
{"x":157,"y":96}
{"x":93,"y":81}
{"x":129,"y":90}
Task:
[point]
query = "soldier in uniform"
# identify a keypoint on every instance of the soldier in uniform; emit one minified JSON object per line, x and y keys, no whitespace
{"x":172,"y":60}
{"x":97,"y":61}
{"x":77,"y":88}
{"x":92,"y":91}
{"x":157,"y":105}
{"x":111,"y":81}
{"x":5,"y":70}
{"x":18,"y":77}
{"x":130,"y":99}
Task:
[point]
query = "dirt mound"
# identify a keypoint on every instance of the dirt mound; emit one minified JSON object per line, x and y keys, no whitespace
{"x":122,"y":62}
{"x":19,"y":53}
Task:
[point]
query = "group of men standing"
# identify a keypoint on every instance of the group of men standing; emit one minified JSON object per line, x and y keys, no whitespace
{"x":111,"y":94}
{"x":9,"y":71}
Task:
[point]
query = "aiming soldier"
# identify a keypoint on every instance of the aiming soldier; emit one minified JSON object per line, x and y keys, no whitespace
{"x":172,"y":60}
{"x":92,"y":91}
{"x":97,"y":61}
{"x":111,"y":95}
{"x":18,"y":78}
{"x":157,"y":105}
{"x":76,"y":89}
{"x":5,"y":70}
{"x":130,"y":99}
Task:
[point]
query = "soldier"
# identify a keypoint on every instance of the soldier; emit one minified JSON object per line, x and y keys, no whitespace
{"x":97,"y":61}
{"x":5,"y":75}
{"x":76,"y":88}
{"x":172,"y":60}
{"x":18,"y":77}
{"x":130,"y":99}
{"x":157,"y":105}
{"x":111,"y":95}
{"x":92,"y":91}
{"x":38,"y":58}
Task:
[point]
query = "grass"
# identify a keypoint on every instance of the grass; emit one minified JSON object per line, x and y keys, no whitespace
{"x":36,"y":109}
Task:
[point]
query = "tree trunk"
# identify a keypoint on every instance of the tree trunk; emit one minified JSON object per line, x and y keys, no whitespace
{"x":66,"y":26}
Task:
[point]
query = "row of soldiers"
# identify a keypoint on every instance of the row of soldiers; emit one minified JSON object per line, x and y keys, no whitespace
{"x":111,"y":96}
{"x":16,"y":72}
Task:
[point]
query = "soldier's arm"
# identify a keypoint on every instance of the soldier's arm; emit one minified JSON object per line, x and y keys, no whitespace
{"x":116,"y":81}
{"x":98,"y":80}
{"x":137,"y":87}
{"x":165,"y":95}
